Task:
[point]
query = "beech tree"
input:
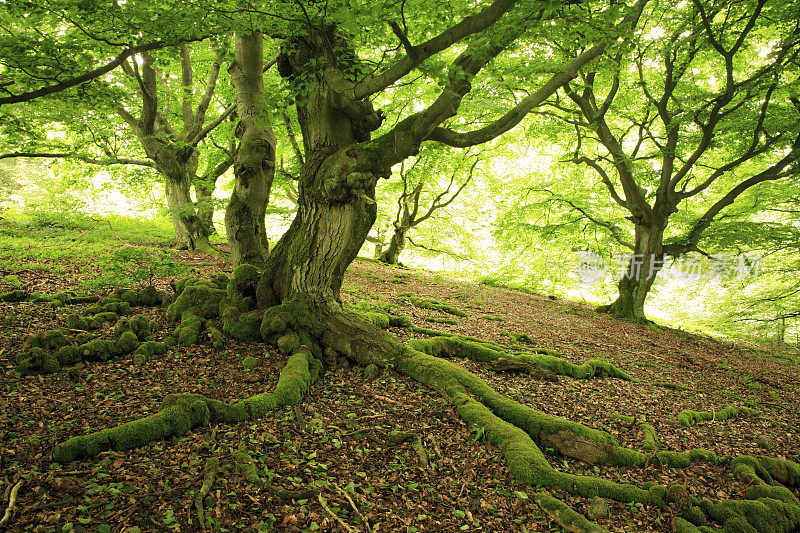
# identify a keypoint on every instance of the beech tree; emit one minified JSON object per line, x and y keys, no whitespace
{"x":718,"y":116}
{"x":337,"y":73}
{"x":426,"y":171}
{"x":48,"y":55}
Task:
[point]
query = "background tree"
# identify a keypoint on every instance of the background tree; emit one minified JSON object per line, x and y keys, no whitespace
{"x":429,"y":168}
{"x":717,"y":117}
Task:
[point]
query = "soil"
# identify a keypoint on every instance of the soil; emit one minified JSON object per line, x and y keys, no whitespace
{"x":336,"y":442}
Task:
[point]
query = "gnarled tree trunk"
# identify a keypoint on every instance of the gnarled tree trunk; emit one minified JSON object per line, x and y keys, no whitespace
{"x":392,"y":254}
{"x":254,"y":167}
{"x":190,"y":230}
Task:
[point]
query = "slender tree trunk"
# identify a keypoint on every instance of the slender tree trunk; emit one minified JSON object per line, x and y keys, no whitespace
{"x":643,"y":266}
{"x":205,"y":205}
{"x":392,"y":254}
{"x":254,"y":166}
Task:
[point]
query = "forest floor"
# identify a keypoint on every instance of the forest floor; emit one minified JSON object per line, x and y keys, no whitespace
{"x":335,"y":442}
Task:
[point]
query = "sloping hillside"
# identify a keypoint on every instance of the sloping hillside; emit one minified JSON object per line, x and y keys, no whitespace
{"x":333,"y":463}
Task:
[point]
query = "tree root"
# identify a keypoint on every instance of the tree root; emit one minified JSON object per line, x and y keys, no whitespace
{"x":210,"y":473}
{"x":687,"y":417}
{"x":483,"y":351}
{"x":514,"y":427}
{"x":12,"y":504}
{"x":398,"y":437}
{"x":341,"y":522}
{"x":181,"y":412}
{"x":565,"y":516}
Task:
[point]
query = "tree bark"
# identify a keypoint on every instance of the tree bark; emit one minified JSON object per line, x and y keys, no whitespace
{"x":643,"y":266}
{"x":336,"y":189}
{"x":192,"y":234}
{"x":205,"y":205}
{"x":391,"y":255}
{"x":254,"y":166}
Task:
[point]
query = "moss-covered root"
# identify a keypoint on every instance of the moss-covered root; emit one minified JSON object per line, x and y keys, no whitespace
{"x":209,"y":475}
{"x":687,"y":417}
{"x":181,"y":412}
{"x":511,"y":426}
{"x":565,"y":516}
{"x":456,"y":346}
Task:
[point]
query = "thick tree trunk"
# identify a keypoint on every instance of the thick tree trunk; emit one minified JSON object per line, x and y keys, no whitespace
{"x":189,"y":229}
{"x":392,"y":254}
{"x":336,"y":190}
{"x":254,"y":166}
{"x":643,"y":266}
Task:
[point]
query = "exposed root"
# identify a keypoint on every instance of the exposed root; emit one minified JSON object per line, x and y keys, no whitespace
{"x":398,"y":437}
{"x":687,"y":417}
{"x":508,"y":365}
{"x":565,"y":516}
{"x":355,"y":508}
{"x":12,"y":504}
{"x":342,"y":523}
{"x":210,"y":473}
{"x":181,"y":412}
{"x":483,"y":351}
{"x":514,"y":428}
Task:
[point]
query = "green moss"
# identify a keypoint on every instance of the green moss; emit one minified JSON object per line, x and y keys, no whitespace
{"x":148,"y":349}
{"x":220,"y":280}
{"x":787,"y":472}
{"x":13,"y":296}
{"x":36,"y":360}
{"x":97,"y":350}
{"x":451,"y":321}
{"x":762,"y":515}
{"x":105,"y":317}
{"x":371,"y":372}
{"x":455,"y":346}
{"x":188,"y":333}
{"x":218,"y":337}
{"x":683,"y":526}
{"x":288,"y":343}
{"x":75,"y":321}
{"x":427,"y":331}
{"x":376,"y":318}
{"x":242,"y":326}
{"x":188,"y":281}
{"x":138,"y":324}
{"x":246,"y":466}
{"x":435,"y":306}
{"x":111,"y":305}
{"x":245,"y":277}
{"x":687,"y":417}
{"x":150,"y":296}
{"x":127,"y":343}
{"x":129,"y":296}
{"x":69,"y":355}
{"x":200,"y":299}
{"x":250,"y":363}
{"x":52,"y":339}
{"x":567,"y":517}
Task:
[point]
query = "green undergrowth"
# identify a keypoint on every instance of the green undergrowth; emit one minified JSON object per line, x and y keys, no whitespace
{"x":180,"y":413}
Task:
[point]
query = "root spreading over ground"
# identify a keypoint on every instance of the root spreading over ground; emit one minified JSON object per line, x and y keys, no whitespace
{"x":318,"y":338}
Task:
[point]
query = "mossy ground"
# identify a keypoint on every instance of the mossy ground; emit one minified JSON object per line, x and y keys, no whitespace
{"x":345,"y":418}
